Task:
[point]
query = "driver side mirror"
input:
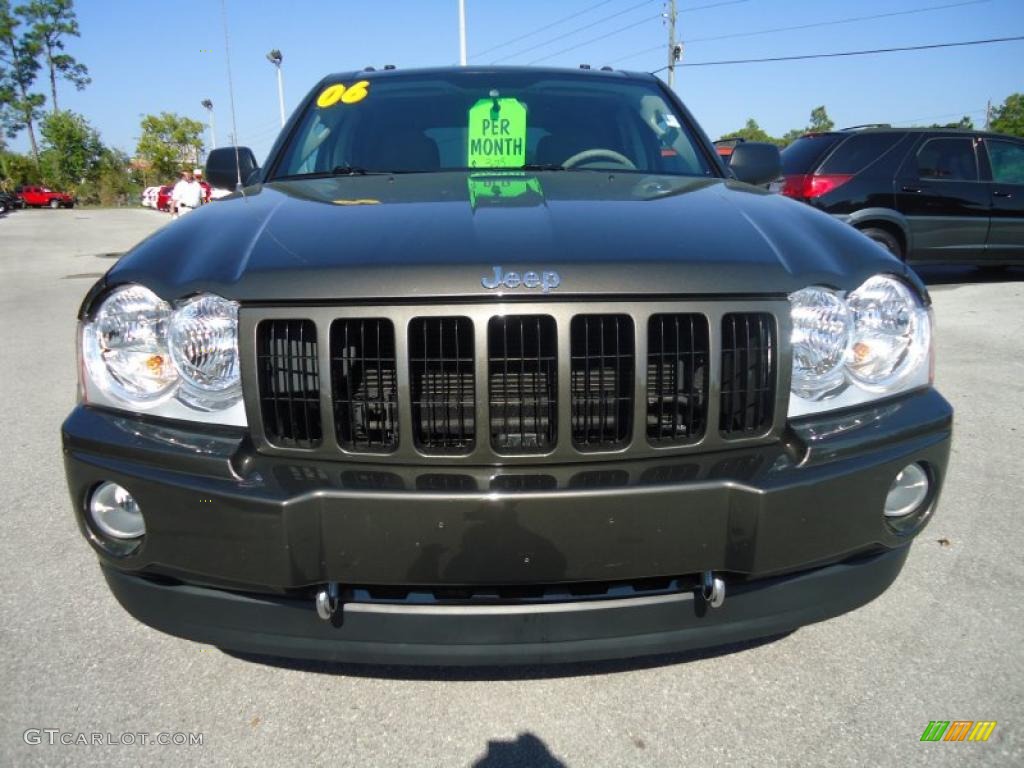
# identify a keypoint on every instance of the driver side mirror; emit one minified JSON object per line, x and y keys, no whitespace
{"x":221,"y":170}
{"x":756,"y":162}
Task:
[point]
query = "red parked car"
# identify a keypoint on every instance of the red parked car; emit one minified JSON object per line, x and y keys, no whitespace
{"x":40,"y":197}
{"x":163,"y":197}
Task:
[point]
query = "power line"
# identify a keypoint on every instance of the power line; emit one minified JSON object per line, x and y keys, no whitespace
{"x":562,"y":20}
{"x":813,"y":25}
{"x":851,"y":20}
{"x":576,"y":31}
{"x":631,"y":26}
{"x":595,"y":39}
{"x":846,"y":53}
{"x":963,"y":113}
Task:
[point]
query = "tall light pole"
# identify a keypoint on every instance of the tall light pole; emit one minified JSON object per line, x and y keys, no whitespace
{"x":208,"y":106}
{"x":275,"y":58}
{"x":462,"y":33}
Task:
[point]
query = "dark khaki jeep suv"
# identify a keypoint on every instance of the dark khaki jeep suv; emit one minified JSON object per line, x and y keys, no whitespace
{"x":501,"y":365}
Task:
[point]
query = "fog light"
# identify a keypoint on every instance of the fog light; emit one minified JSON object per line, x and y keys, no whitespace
{"x":907,"y":492}
{"x":115,"y":513}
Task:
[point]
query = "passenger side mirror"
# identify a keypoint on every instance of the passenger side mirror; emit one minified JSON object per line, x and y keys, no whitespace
{"x":221,"y":171}
{"x":756,"y":162}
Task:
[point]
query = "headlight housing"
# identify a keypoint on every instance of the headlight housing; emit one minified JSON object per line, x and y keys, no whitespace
{"x":853,"y":348}
{"x":892,"y":333}
{"x":204,"y":347}
{"x":125,"y":346}
{"x":144,"y":355}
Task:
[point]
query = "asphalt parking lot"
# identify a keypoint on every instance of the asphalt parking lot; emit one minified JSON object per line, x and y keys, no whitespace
{"x":943,"y":643}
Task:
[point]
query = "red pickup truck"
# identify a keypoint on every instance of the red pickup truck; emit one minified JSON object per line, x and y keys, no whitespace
{"x":39,"y":197}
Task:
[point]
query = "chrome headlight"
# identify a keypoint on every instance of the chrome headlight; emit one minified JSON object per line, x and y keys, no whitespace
{"x":143,"y":355}
{"x":821,"y":338}
{"x":847,"y":350}
{"x":891,"y":334}
{"x":125,"y":346}
{"x":204,"y":347}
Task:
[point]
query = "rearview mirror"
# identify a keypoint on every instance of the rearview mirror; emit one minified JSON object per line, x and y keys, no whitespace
{"x":755,"y":162}
{"x":221,"y":169}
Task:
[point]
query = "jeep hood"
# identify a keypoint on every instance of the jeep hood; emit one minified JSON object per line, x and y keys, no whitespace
{"x":437,"y":235}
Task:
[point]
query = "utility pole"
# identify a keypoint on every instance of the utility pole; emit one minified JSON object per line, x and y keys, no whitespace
{"x":673,"y":49}
{"x":208,"y":106}
{"x":462,"y":33}
{"x":275,"y":58}
{"x":988,"y":115}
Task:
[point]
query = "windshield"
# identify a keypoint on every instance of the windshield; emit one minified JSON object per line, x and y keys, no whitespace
{"x":484,"y":120}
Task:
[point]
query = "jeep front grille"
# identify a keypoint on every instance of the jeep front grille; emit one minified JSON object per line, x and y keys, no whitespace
{"x":364,"y":384}
{"x":748,"y":373}
{"x":571,"y":381}
{"x":522,"y":373}
{"x":288,"y":367}
{"x":442,"y":383}
{"x":677,"y":378}
{"x":602,"y":380}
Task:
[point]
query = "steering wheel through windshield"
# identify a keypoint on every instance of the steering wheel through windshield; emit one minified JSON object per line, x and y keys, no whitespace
{"x":591,"y":154}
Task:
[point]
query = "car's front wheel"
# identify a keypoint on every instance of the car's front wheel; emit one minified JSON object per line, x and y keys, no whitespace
{"x":886,"y":239}
{"x":55,"y":204}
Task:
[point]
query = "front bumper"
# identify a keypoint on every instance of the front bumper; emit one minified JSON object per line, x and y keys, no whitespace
{"x":222,"y":517}
{"x":495,"y":634}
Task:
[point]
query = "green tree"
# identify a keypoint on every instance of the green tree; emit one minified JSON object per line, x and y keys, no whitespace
{"x":964,"y":122}
{"x":72,"y":150}
{"x":169,"y":142}
{"x":751,"y":132}
{"x":820,"y":121}
{"x":790,"y":136}
{"x":114,"y":184}
{"x":50,"y":22}
{"x":17,"y":170}
{"x":19,"y":67}
{"x":1008,"y":118}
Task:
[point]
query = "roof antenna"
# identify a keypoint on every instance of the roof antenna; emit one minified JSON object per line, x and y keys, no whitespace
{"x":231,"y":94}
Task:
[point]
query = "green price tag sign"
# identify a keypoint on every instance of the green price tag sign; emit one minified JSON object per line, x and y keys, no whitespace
{"x":497,"y":134}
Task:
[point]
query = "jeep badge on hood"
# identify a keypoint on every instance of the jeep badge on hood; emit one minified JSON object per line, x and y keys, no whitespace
{"x":546,"y":281}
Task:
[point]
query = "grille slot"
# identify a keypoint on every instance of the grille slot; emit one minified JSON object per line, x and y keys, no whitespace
{"x":289,"y":382}
{"x":442,"y":383}
{"x":364,"y":384}
{"x":601,"y":380}
{"x":677,"y":378}
{"x":748,"y":374}
{"x":522,"y":370}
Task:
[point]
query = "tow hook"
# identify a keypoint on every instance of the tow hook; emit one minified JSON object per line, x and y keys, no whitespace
{"x":328,"y":600}
{"x":712,"y":589}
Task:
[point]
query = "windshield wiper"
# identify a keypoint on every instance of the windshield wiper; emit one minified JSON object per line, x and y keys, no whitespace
{"x":542,"y":167}
{"x":350,"y":170}
{"x":340,"y":170}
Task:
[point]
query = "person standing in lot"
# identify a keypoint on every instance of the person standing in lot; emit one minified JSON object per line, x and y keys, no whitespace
{"x":186,"y":195}
{"x":204,"y":187}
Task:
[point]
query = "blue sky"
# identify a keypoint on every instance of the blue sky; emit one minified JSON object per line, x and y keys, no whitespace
{"x":147,"y":56}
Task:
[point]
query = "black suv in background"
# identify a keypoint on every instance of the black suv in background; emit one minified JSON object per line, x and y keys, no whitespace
{"x":927,"y":195}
